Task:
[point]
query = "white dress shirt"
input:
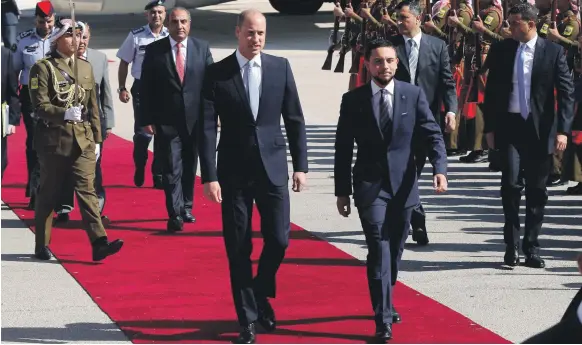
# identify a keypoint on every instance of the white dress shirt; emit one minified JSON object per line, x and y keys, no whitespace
{"x":530,"y":48}
{"x":376,"y":95}
{"x":183,"y":50}
{"x":242,"y":62}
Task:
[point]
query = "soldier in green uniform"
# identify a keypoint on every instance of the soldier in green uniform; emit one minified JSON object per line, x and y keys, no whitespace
{"x":565,"y":32}
{"x":544,"y":17}
{"x":66,"y":134}
{"x":489,"y":23}
{"x":438,"y":26}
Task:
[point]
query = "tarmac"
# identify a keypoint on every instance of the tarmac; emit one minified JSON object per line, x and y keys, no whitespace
{"x":460,"y":268}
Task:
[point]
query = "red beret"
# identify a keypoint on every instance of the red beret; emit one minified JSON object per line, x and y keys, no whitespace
{"x":44,"y":9}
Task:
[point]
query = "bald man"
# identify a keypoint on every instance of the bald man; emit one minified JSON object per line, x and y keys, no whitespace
{"x":250,"y":91}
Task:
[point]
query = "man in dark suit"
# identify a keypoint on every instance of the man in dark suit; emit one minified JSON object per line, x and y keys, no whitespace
{"x":171,"y":84}
{"x":569,"y":329}
{"x":423,"y":60}
{"x":384,"y":117}
{"x":521,"y":122}
{"x":250,"y":91}
{"x":10,"y":99}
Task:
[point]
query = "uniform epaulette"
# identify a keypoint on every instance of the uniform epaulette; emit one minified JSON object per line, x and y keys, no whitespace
{"x":24,"y":34}
{"x":137,"y":30}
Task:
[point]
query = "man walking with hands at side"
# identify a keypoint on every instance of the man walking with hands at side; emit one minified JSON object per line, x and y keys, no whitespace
{"x":250,"y":91}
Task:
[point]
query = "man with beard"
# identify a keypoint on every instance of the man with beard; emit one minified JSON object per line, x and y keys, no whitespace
{"x":133,"y":51}
{"x":67,"y":134}
{"x":384,"y":117}
{"x":98,"y":61}
{"x":31,"y":46}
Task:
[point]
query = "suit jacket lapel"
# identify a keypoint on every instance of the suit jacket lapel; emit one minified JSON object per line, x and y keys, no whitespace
{"x":266,"y":83}
{"x":423,"y":53}
{"x":239,"y":85}
{"x":537,"y":64}
{"x":170,"y":62}
{"x":190,"y":51}
{"x":368,"y":107}
{"x":401,"y":53}
{"x":397,"y":107}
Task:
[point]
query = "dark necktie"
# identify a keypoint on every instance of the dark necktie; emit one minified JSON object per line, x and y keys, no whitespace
{"x":385,"y":111}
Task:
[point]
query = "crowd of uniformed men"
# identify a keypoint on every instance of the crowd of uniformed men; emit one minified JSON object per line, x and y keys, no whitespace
{"x":456,"y":23}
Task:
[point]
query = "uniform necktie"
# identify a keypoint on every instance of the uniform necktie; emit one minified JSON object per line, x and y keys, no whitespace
{"x":385,"y":111}
{"x":253,"y":88}
{"x":412,"y":59}
{"x":523,"y":106}
{"x":179,"y":63}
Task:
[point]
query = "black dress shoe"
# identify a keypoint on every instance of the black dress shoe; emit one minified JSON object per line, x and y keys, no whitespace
{"x":103,"y":248}
{"x":455,"y":152}
{"x":188,"y":217}
{"x":384,"y":332}
{"x":139,"y":176}
{"x":555,"y":181}
{"x":61,"y":218}
{"x":396,"y":316}
{"x":420,"y":236}
{"x":266,"y":315}
{"x":511,"y":257}
{"x":175,"y":223}
{"x":475,"y":157}
{"x":42,"y":253}
{"x":534,"y":261}
{"x":158,"y":184}
{"x":247,"y":335}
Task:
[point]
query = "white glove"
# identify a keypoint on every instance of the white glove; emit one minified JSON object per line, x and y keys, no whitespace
{"x":97,"y":151}
{"x":73,"y":114}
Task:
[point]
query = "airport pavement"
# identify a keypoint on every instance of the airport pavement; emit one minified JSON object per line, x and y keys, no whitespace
{"x":460,"y":268}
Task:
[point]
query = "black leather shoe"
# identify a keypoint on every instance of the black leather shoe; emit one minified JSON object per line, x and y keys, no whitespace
{"x":454,"y":153}
{"x":396,"y":316}
{"x":555,"y":182}
{"x":511,"y":257}
{"x":188,"y":217}
{"x":61,"y":218}
{"x":42,"y":253}
{"x":175,"y":223}
{"x":266,"y":317}
{"x":475,"y":157}
{"x":420,"y":236}
{"x":247,"y":335}
{"x":103,"y":248}
{"x":138,"y":176}
{"x":384,"y":332}
{"x":158,"y":184}
{"x":534,"y":261}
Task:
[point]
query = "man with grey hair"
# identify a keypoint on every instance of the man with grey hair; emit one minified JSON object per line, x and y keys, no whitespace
{"x":171,"y":85}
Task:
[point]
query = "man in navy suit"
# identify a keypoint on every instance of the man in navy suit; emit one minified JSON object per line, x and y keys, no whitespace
{"x":382,"y":117}
{"x":250,"y":91}
{"x":170,"y":88}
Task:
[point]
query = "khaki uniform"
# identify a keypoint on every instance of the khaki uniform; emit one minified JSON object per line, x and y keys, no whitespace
{"x":64,"y":147}
{"x":473,"y":120}
{"x":544,"y":22}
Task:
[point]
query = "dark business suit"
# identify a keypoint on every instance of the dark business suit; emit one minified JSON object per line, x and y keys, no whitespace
{"x":434,"y":77}
{"x":385,"y":181}
{"x":10,"y":17}
{"x":567,"y":331}
{"x":527,"y":144}
{"x":252,"y":165}
{"x":100,"y":63}
{"x":10,"y":96}
{"x":174,"y":109}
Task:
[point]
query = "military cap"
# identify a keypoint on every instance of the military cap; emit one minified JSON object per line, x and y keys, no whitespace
{"x":154,"y":3}
{"x":44,"y":9}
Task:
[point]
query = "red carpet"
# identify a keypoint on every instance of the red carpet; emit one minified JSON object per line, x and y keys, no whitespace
{"x":174,"y":288}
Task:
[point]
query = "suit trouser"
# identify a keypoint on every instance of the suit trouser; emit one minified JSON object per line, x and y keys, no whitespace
{"x":524,"y":153}
{"x":141,"y":139}
{"x":54,"y":171}
{"x":4,"y":154}
{"x":274,"y":209}
{"x":31,"y":156}
{"x":66,"y":201}
{"x":385,"y":224}
{"x":178,"y":156}
{"x":418,"y":217}
{"x":9,"y":35}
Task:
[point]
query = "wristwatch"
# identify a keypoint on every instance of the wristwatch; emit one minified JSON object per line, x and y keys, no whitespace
{"x":121,"y":89}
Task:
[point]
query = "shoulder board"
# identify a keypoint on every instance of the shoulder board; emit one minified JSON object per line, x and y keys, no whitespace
{"x":24,"y":34}
{"x":138,"y":30}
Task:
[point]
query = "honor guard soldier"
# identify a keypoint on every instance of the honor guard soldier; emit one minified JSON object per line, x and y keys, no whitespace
{"x":133,"y":51}
{"x":31,"y":46}
{"x":544,"y":17}
{"x":68,"y":130}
